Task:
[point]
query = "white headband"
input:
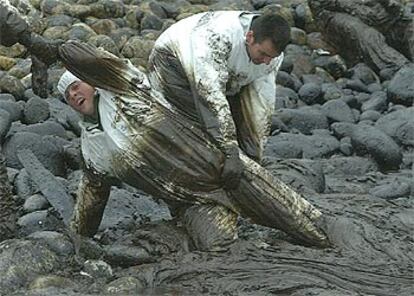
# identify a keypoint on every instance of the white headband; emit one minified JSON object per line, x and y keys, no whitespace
{"x":65,"y":80}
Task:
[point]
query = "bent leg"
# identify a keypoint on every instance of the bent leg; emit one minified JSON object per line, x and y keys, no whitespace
{"x":269,"y":202}
{"x":211,"y":227}
{"x":168,"y":76}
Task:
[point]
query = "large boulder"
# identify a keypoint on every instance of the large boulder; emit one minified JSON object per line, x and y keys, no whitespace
{"x":349,"y":166}
{"x":12,"y":85}
{"x":399,"y":125}
{"x":287,"y":145}
{"x":401,"y":87}
{"x":363,"y":73}
{"x":14,"y":109}
{"x":105,"y":42}
{"x":302,"y":174}
{"x":55,"y":241}
{"x":47,"y":128}
{"x":367,"y":139}
{"x":47,"y":153}
{"x":38,"y":221}
{"x":22,"y":261}
{"x":377,"y":102}
{"x":138,"y":50}
{"x":5,"y":123}
{"x":338,"y":110}
{"x":36,"y":110}
{"x":304,"y":119}
{"x":311,"y":93}
{"x":64,"y":115}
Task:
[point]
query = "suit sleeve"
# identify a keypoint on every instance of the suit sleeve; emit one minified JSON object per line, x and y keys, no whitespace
{"x":211,"y":51}
{"x":102,"y":69}
{"x":92,"y":196}
{"x":254,"y":112}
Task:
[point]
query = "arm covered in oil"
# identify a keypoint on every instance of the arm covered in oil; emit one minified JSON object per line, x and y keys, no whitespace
{"x":102,"y":69}
{"x":92,"y":196}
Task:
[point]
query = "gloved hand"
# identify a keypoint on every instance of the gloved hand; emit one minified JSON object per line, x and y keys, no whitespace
{"x":233,"y":167}
{"x":46,"y":51}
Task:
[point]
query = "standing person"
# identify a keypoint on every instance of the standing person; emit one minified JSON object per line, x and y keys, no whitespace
{"x":218,"y":69}
{"x":131,"y":133}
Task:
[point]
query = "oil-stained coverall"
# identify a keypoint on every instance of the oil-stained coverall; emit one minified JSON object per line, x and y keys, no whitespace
{"x":141,"y":140}
{"x":202,"y":67}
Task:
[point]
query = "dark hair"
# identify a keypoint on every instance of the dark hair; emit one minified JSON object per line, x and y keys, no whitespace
{"x":272,"y":27}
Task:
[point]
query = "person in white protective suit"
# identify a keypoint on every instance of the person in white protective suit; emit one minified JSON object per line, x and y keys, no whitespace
{"x":130,"y":132}
{"x":218,"y":69}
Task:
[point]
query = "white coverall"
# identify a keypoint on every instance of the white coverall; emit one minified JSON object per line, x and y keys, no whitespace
{"x":201,"y":65}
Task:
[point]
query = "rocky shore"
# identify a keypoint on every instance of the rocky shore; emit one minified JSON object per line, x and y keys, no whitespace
{"x":342,"y":134}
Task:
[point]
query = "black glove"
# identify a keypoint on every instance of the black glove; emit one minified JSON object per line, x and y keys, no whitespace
{"x":46,"y":51}
{"x":233,"y":167}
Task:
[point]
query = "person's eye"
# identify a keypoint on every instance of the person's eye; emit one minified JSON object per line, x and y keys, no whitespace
{"x":74,"y":85}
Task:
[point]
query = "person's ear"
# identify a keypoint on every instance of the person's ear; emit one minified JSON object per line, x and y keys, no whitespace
{"x":250,"y":37}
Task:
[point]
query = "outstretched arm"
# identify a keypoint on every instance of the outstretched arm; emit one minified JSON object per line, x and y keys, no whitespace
{"x":210,"y":52}
{"x":93,"y":194}
{"x":210,"y":75}
{"x":15,"y":29}
{"x":101,"y":68}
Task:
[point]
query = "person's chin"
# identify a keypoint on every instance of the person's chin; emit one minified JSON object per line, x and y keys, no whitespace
{"x":82,"y":111}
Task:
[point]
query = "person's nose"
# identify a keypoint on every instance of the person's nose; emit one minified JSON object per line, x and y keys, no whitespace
{"x":72,"y":95}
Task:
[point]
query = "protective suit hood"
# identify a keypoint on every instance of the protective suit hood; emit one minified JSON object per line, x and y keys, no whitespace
{"x":65,"y":80}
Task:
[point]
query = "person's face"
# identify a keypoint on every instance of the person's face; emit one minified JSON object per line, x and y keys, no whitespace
{"x":80,"y":96}
{"x":260,"y":53}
